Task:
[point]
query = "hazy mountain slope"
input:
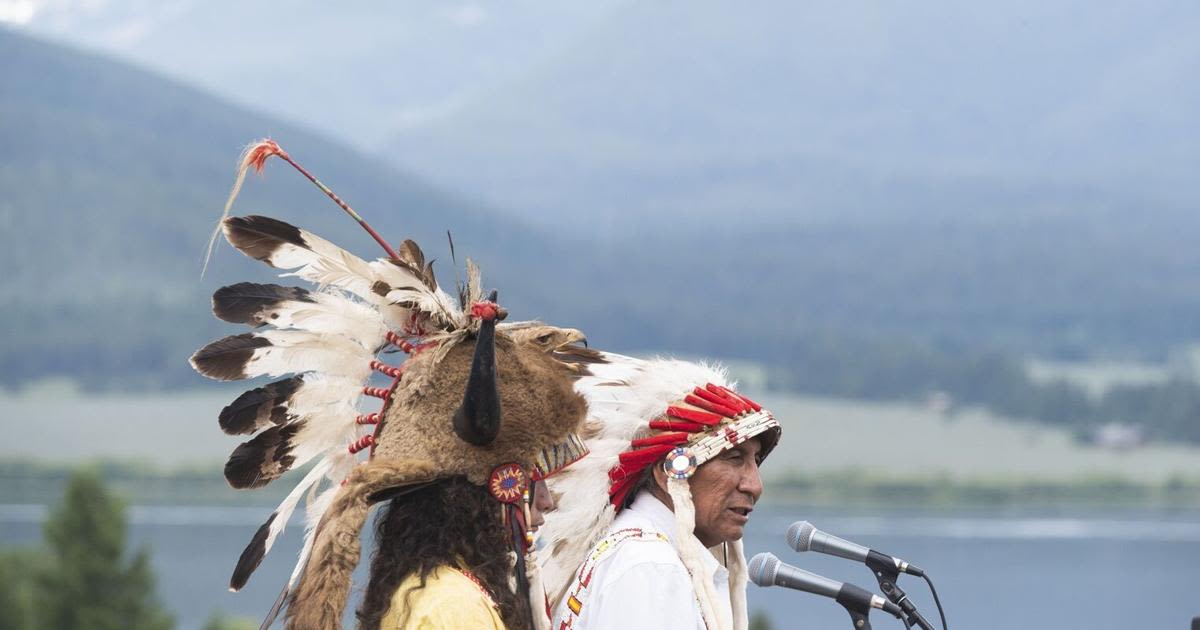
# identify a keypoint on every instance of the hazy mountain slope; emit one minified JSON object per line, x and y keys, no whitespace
{"x":788,"y":111}
{"x":113,"y":178}
{"x":354,"y":71}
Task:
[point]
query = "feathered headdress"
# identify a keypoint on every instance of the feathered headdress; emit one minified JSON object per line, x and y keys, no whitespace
{"x":643,"y":413}
{"x":475,"y":398}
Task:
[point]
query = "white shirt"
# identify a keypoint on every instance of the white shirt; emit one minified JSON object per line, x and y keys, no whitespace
{"x":644,"y":584}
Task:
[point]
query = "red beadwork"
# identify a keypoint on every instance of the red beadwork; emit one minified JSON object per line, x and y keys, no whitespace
{"x":389,"y":370}
{"x":378,"y":392}
{"x":370,"y":418}
{"x":361,"y":443}
{"x":508,"y":483}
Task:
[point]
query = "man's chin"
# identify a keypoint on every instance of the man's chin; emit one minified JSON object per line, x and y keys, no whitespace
{"x":733,"y":532}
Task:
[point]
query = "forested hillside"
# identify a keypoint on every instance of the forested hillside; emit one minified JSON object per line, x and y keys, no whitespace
{"x":113,"y":177}
{"x":112,"y":181}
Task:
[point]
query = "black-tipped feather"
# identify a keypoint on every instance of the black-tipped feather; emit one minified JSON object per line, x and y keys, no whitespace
{"x":258,"y":237}
{"x":251,"y":556}
{"x":260,"y":407}
{"x":226,"y":359}
{"x":263,"y":459}
{"x":252,"y":303}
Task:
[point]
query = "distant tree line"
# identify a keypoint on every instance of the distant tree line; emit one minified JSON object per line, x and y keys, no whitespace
{"x":83,"y":577}
{"x":891,"y":370}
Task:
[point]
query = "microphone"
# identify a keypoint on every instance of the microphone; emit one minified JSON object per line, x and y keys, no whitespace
{"x":803,"y":536}
{"x":767,"y":570}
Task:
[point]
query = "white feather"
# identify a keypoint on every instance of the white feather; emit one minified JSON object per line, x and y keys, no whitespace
{"x":623,"y":395}
{"x":408,"y":288}
{"x":316,"y":511}
{"x":335,"y":314}
{"x":283,"y":513}
{"x":294,"y":351}
{"x":332,"y":426}
{"x":326,"y":264}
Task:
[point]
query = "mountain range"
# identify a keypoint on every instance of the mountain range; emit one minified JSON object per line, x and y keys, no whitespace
{"x":114,"y":176}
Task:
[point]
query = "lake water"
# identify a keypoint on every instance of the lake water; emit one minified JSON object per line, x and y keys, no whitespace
{"x":993,"y":570}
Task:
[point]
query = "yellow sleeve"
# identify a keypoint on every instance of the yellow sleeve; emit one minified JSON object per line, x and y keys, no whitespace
{"x":447,"y":601}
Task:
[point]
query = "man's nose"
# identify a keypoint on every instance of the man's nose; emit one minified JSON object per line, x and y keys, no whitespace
{"x":751,"y":481}
{"x":543,"y":498}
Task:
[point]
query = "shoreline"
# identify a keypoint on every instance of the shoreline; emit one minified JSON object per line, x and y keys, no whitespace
{"x":30,"y":482}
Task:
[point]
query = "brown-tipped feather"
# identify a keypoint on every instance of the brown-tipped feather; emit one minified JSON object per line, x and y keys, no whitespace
{"x":259,"y":237}
{"x":226,"y":359}
{"x":414,"y":260}
{"x":251,"y":303}
{"x":411,"y":253}
{"x":263,"y":459}
{"x":260,"y":407}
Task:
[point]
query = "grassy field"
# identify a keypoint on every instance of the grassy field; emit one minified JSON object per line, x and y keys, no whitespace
{"x":161,"y":447}
{"x":910,"y":441}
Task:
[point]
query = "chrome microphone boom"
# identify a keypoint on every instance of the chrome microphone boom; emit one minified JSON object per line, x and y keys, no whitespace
{"x":767,"y":570}
{"x":803,"y":536}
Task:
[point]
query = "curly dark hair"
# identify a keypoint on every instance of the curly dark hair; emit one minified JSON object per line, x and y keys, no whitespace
{"x":442,"y":524}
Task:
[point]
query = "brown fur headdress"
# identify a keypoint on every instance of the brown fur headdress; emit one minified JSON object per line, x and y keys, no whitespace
{"x":474,"y":394}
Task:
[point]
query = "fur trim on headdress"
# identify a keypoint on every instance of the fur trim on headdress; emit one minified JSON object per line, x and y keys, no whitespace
{"x":689,"y":551}
{"x":738,"y":577}
{"x":320,"y":596}
{"x":537,"y":592}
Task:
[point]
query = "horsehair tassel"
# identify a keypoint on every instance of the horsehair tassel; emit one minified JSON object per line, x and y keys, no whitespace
{"x":361,"y":443}
{"x":407,"y":346}
{"x":255,"y":156}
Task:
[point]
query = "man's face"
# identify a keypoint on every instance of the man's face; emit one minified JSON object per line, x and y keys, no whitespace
{"x":542,"y":503}
{"x":724,"y":491}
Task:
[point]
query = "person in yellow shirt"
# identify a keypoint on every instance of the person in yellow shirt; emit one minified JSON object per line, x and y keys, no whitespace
{"x":438,"y":565}
{"x":475,"y":415}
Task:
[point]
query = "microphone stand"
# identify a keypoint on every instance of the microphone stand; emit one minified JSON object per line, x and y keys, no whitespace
{"x":857,"y":602}
{"x":886,"y":574}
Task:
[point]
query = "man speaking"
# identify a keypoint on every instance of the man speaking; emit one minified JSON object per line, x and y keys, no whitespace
{"x":648,"y":529}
